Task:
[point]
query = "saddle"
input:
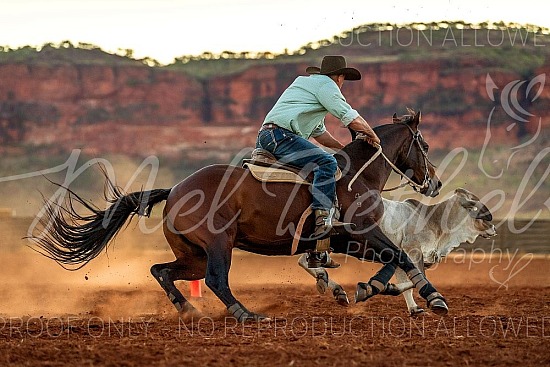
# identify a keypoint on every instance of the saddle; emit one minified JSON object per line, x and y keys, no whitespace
{"x":266,"y":168}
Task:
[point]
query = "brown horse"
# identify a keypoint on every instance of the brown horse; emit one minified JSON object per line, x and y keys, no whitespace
{"x":222,"y":207}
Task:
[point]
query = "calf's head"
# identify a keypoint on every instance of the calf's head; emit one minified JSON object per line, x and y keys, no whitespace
{"x":478,"y":211}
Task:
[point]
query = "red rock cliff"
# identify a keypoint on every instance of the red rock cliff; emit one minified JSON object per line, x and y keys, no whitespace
{"x":140,"y":110}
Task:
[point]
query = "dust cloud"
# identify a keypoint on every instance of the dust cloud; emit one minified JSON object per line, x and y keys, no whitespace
{"x":118,"y":282}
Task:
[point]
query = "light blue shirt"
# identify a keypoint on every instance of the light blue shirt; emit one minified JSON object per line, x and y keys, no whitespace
{"x":304,"y":104}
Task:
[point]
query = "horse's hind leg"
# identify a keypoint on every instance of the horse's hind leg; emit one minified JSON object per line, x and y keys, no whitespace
{"x":166,"y":274}
{"x":217,"y":277}
{"x":323,"y":282}
{"x":190,"y":264}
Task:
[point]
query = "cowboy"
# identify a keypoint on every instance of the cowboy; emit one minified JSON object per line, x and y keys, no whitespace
{"x":298,"y":115}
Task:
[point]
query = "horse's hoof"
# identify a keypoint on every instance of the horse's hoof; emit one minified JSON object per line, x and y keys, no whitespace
{"x":243,"y":315}
{"x":258,"y":317}
{"x":363,"y":292}
{"x":340,"y":296}
{"x":416,"y":311}
{"x":437,"y":303}
{"x":186,"y":308}
{"x":188,"y":312}
{"x":391,"y":290}
{"x":252,"y":317}
{"x":439,"y":307}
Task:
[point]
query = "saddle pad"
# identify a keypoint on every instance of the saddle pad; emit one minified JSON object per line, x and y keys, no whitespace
{"x":271,"y":174}
{"x":274,"y":174}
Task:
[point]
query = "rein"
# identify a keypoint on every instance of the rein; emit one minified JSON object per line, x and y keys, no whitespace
{"x":414,"y":185}
{"x":364,"y":166}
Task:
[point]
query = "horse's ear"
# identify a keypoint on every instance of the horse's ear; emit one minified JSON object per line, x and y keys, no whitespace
{"x":416,"y":119}
{"x":394,"y":118}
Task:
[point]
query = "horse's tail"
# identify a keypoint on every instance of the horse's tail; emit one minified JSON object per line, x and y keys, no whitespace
{"x":72,"y":239}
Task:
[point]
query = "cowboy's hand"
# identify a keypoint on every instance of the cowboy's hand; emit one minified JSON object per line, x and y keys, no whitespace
{"x":370,"y":137}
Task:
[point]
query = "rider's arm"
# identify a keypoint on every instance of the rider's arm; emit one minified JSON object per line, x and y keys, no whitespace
{"x":361,"y":126}
{"x":328,"y":141}
{"x":332,"y":99}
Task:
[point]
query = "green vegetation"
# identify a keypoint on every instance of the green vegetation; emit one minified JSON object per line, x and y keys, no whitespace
{"x":514,"y":47}
{"x":67,"y":53}
{"x":94,"y":116}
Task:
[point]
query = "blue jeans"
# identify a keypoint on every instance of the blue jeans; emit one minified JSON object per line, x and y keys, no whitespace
{"x":292,"y":149}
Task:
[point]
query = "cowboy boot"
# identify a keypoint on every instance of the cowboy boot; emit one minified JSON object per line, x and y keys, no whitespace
{"x":324,"y":224}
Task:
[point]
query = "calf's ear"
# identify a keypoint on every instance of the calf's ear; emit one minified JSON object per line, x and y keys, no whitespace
{"x":464,"y":198}
{"x":461,"y":191}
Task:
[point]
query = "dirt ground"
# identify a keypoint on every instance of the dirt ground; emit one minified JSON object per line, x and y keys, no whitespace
{"x":112,"y":313}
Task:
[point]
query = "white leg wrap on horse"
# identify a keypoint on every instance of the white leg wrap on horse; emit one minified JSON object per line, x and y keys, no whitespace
{"x":378,"y":285}
{"x":417,"y":278}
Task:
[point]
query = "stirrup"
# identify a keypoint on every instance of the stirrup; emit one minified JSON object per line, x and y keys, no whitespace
{"x":321,"y":232}
{"x":326,"y":223}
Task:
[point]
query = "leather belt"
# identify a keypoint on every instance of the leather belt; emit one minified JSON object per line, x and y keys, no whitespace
{"x":272,"y":126}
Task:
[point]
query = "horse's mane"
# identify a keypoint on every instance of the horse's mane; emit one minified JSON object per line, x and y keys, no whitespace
{"x":404,"y":119}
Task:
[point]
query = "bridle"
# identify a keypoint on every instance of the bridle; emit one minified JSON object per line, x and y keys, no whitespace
{"x":418,"y":138}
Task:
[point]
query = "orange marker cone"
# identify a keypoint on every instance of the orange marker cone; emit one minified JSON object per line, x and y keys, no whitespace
{"x":195,"y":286}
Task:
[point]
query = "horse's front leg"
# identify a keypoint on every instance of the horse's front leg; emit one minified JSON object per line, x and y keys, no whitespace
{"x":392,"y":258}
{"x":378,"y":284}
{"x":323,"y":282}
{"x":393,"y":289}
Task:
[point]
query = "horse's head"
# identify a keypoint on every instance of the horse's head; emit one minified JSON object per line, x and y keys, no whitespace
{"x":412,"y":155}
{"x":403,"y":148}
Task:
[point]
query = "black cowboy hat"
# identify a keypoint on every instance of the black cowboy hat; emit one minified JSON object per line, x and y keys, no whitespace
{"x":335,"y":65}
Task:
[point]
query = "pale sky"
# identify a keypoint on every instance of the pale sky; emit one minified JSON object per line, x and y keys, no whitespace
{"x":165,"y":29}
